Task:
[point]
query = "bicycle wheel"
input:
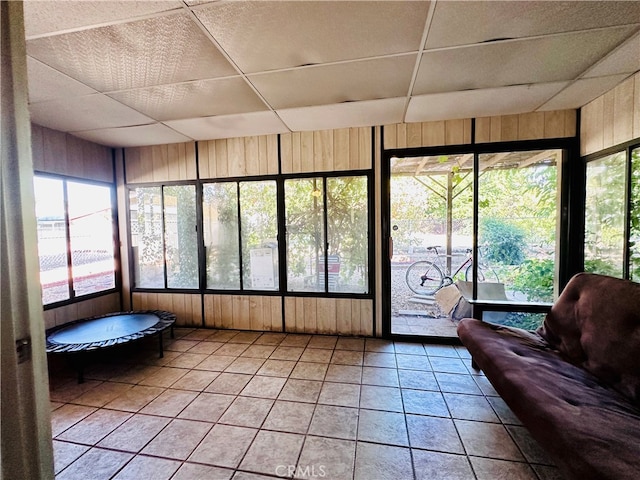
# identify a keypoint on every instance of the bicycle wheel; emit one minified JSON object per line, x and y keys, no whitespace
{"x":424,"y":278}
{"x":485,"y":274}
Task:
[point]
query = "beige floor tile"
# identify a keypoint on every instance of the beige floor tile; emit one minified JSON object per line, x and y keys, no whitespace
{"x":341,"y":394}
{"x":207,"y":407}
{"x":457,"y":383}
{"x":245,"y":365}
{"x":247,"y":412}
{"x":71,"y":389}
{"x":262,"y":457}
{"x":199,"y":334}
{"x":229,"y":383}
{"x":246,"y":337}
{"x":417,"y":380}
{"x":169,"y":403}
{"x":277,"y":368}
{"x":223,"y":335}
{"x":433,"y":433}
{"x":270,"y":338}
{"x":381,"y":398}
{"x":487,"y":440}
{"x":164,"y":377}
{"x":347,"y":343}
{"x":264,"y":387}
{"x":67,"y":415}
{"x":135,"y":398}
{"x":97,"y":464}
{"x":378,"y":345}
{"x":292,"y":417}
{"x":492,"y":469}
{"x":409,"y":348}
{"x":178,"y":439}
{"x":347,"y":357}
{"x":180,"y":345}
{"x":319,"y":355}
{"x":335,"y":422}
{"x":382,"y":427}
{"x":531,"y":449}
{"x":196,"y":380}
{"x":470,"y":407}
{"x":65,"y":453}
{"x":135,"y":433}
{"x":224,"y":446}
{"x":259,"y":351}
{"x":232,"y":349}
{"x":136,"y":374}
{"x":344,"y":374}
{"x":193,"y":471}
{"x":503,"y":411}
{"x":309,"y":371}
{"x":430,"y":465}
{"x":296,"y":340}
{"x":148,"y":467}
{"x":322,"y":341}
{"x":326,"y":458}
{"x":382,"y":462}
{"x":379,"y":359}
{"x":95,"y":427}
{"x":424,"y":402}
{"x":413,"y":362}
{"x":301,"y":390}
{"x":206,"y":348}
{"x":187,"y":360}
{"x":287,"y":353}
{"x":102,"y":394}
{"x":216,"y":362}
{"x":385,"y":377}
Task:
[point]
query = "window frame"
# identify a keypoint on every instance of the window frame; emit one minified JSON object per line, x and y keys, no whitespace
{"x":117,"y":277}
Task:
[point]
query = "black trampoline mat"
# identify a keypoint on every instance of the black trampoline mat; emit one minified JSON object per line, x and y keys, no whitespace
{"x":104,"y":328}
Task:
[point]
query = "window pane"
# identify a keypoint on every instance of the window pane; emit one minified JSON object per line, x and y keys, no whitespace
{"x":304,"y":219}
{"x":634,"y":237}
{"x":181,"y":236}
{"x":91,"y":236}
{"x":220,"y":215}
{"x":258,"y":207}
{"x":347,"y":235}
{"x":517,"y":216}
{"x":146,"y":237}
{"x":52,"y":241}
{"x":605,"y":215}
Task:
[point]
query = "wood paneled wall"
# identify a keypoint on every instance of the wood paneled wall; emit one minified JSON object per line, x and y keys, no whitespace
{"x":238,"y":157}
{"x":186,"y":306}
{"x":335,"y":316}
{"x":243,"y":312}
{"x":64,"y":154}
{"x":525,"y":126}
{"x":87,"y":308}
{"x":160,"y":163}
{"x":612,"y":118}
{"x":326,"y":150}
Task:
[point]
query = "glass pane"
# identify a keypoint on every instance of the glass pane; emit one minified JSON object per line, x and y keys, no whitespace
{"x":517,"y":210}
{"x":259,"y":233}
{"x":145,"y":205}
{"x":527,"y":321}
{"x":220,"y":215}
{"x":605,"y":215}
{"x":91,"y":235}
{"x":347,"y":235}
{"x":634,"y":237}
{"x":304,"y":219}
{"x":181,"y":236}
{"x":52,"y":240}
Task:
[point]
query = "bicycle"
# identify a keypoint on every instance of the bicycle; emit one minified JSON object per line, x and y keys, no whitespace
{"x":426,"y":277}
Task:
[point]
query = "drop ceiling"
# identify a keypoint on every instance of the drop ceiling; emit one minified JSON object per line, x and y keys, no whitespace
{"x":132,"y":73}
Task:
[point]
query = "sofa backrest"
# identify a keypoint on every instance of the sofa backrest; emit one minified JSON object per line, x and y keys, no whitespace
{"x":595,"y":323}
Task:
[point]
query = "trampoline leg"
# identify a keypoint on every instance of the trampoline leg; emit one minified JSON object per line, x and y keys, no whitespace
{"x":161,"y":348}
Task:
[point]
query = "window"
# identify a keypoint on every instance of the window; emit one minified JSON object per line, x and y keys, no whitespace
{"x":240,"y":235}
{"x":75,"y":238}
{"x":164,"y":236}
{"x":327,"y":234}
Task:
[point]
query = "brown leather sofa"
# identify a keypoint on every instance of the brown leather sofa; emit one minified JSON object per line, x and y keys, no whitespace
{"x":575,"y":382}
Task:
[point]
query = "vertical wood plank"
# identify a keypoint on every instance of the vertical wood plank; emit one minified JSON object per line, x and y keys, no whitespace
{"x":496,"y":129}
{"x":306,"y":152}
{"x":509,"y":130}
{"x":203,"y":156}
{"x":414,"y":135}
{"x":554,"y":124}
{"x":341,"y":160}
{"x":354,"y":146}
{"x":255,"y":313}
{"x":623,"y":108}
{"x":173,"y":162}
{"x":251,"y":156}
{"x":636,"y":106}
{"x":355,"y":320}
{"x":236,"y":157}
{"x":310,"y":315}
{"x":323,"y":150}
{"x":272,"y":154}
{"x":160,"y":162}
{"x":276,"y":314}
{"x":286,"y":152}
{"x":226,"y":311}
{"x":401,"y":138}
{"x":263,"y":155}
{"x":390,"y":137}
{"x":483,"y":130}
{"x":77,"y":164}
{"x":366,"y":318}
{"x":365,"y":153}
{"x":296,"y":144}
{"x":608,"y":118}
{"x":290,"y":314}
{"x":55,"y":151}
{"x":221,"y":159}
{"x":454,"y":132}
{"x":343,"y":316}
{"x":433,"y":134}
{"x":531,"y":126}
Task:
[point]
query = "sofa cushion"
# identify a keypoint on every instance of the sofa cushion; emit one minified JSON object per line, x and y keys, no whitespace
{"x":589,"y":429}
{"x":595,"y":324}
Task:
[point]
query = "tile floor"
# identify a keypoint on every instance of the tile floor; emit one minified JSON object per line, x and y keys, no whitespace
{"x":249,"y":406}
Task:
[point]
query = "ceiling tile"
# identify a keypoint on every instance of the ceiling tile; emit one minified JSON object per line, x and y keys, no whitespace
{"x":624,"y":59}
{"x":45,"y":83}
{"x":47,"y":16}
{"x":88,"y":112}
{"x":342,"y":115}
{"x":309,"y":33}
{"x":461,"y":23}
{"x":167,"y":49}
{"x":544,"y":59}
{"x":582,"y":91}
{"x":138,"y":136}
{"x":229,"y":126}
{"x":202,"y":98}
{"x":480,"y":103}
{"x":343,"y":82}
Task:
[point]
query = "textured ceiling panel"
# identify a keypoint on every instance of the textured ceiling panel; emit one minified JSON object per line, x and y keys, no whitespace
{"x":137,"y":136}
{"x":202,"y":98}
{"x":581,"y":92}
{"x":460,"y":23}
{"x":540,"y":60}
{"x":480,"y":103}
{"x":343,"y":82}
{"x":309,"y":33}
{"x":85,"y":113}
{"x":45,"y":83}
{"x":342,"y":115}
{"x":167,"y":49}
{"x":49,"y":16}
{"x":229,"y":126}
{"x":625,"y":59}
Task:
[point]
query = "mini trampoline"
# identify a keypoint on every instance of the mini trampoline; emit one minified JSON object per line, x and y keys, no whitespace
{"x":104,"y":331}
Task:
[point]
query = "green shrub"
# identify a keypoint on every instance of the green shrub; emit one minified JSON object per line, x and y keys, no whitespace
{"x":503,"y":242}
{"x":535,"y":279}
